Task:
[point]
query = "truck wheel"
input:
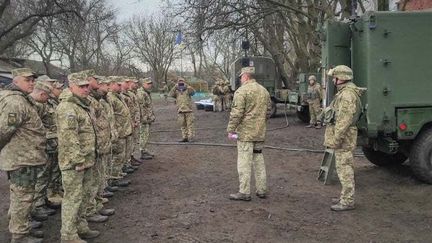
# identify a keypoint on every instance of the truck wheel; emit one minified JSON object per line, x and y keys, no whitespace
{"x":273,"y":109}
{"x":421,"y":156}
{"x":382,"y":159}
{"x":303,"y":115}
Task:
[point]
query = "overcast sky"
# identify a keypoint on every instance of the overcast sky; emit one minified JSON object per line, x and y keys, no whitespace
{"x":128,"y":8}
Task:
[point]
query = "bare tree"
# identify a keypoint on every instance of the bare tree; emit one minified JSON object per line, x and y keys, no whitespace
{"x":18,"y":18}
{"x":153,"y":39}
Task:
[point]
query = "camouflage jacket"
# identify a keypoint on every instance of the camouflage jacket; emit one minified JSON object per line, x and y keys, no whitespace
{"x":22,"y":134}
{"x":102,"y":124}
{"x":314,"y":93}
{"x":164,"y":89}
{"x":48,"y":116}
{"x":217,"y":90}
{"x":123,"y":122}
{"x":109,"y":112}
{"x":183,"y":98}
{"x":342,"y":116}
{"x":249,"y":112}
{"x":145,"y":100}
{"x":130,"y":100}
{"x":76,"y":133}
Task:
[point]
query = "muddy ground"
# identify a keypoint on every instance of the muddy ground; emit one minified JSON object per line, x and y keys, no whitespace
{"x":181,"y":195}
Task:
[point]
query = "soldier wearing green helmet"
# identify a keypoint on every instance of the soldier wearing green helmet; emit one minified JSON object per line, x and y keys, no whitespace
{"x":341,"y":132}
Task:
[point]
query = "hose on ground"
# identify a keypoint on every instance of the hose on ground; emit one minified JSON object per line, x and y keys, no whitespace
{"x":318,"y":151}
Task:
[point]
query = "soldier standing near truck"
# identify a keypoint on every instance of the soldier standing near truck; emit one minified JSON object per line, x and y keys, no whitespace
{"x":341,"y":132}
{"x":313,"y":98}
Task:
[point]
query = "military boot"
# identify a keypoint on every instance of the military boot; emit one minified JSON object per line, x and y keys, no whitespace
{"x":90,"y":234}
{"x":73,"y":241}
{"x":38,"y":216}
{"x":45,"y":210}
{"x":96,"y":218}
{"x":107,"y":211}
{"x":342,"y":207}
{"x":309,"y":126}
{"x":107,"y":194}
{"x":121,"y":183}
{"x":240,"y":197}
{"x":25,"y":239}
{"x":35,"y":224}
{"x":145,"y":155}
{"x":111,"y":188}
{"x":184,"y":140}
{"x":128,"y":170}
{"x":261,"y":195}
{"x":318,"y":126}
{"x":37,"y":233}
{"x":135,"y":161}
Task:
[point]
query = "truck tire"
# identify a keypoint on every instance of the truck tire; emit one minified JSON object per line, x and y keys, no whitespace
{"x":382,"y":159}
{"x":421,"y":156}
{"x":303,"y":115}
{"x":273,"y":109}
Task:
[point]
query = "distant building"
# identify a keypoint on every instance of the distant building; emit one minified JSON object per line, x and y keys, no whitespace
{"x":7,"y":64}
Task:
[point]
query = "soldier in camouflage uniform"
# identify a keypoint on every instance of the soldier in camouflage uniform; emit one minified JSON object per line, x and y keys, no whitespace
{"x":341,"y":132}
{"x":128,"y":99}
{"x":183,"y":94}
{"x":147,"y":116}
{"x":247,"y":123}
{"x":218,"y":96}
{"x":136,"y":116}
{"x":164,"y":90}
{"x":54,"y":191}
{"x":227,"y":95}
{"x":22,"y":150}
{"x":313,"y":98}
{"x":77,"y":154}
{"x":123,"y":126}
{"x":94,"y":210}
{"x":41,"y":94}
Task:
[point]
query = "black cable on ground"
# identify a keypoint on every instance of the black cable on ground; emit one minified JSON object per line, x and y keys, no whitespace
{"x":320,"y":151}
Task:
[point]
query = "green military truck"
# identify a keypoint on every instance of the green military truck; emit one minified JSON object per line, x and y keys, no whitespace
{"x":390,"y":54}
{"x":268,"y":76}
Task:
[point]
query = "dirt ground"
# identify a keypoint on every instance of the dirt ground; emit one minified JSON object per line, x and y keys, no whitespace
{"x":182,"y":194}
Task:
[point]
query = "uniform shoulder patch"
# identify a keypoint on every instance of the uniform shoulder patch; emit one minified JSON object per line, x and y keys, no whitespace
{"x":12,"y":119}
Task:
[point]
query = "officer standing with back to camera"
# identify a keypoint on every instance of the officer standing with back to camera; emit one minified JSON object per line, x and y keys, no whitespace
{"x":341,"y":132}
{"x":183,"y":94}
{"x":22,"y":150}
{"x":247,"y":124}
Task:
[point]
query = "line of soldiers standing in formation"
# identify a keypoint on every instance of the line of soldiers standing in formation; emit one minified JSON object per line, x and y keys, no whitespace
{"x":222,"y":95}
{"x":71,"y":147}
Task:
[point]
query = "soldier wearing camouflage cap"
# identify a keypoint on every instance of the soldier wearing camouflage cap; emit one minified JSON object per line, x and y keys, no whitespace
{"x":54,"y":187}
{"x":313,"y":98}
{"x":247,"y":124}
{"x":147,"y":116}
{"x":134,"y":107}
{"x":163,"y":90}
{"x":341,"y":132}
{"x":123,"y":126}
{"x":76,"y":146}
{"x":217,"y":96}
{"x":95,"y":211}
{"x":22,"y":150}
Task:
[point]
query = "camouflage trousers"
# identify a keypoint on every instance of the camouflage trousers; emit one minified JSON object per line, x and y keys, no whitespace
{"x":22,"y":191}
{"x":77,"y":191}
{"x":129,"y":149}
{"x":186,"y":121}
{"x":47,"y":178}
{"x":227,"y":102}
{"x":250,"y":158}
{"x":218,"y":106}
{"x":97,"y":184}
{"x":144,"y":137}
{"x":314,"y":112}
{"x":118,"y":158}
{"x":136,"y":139}
{"x":345,"y":171}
